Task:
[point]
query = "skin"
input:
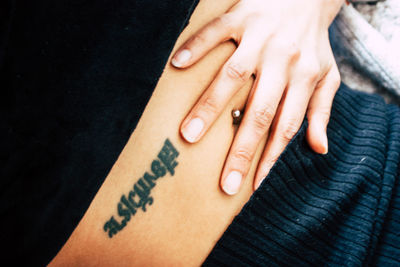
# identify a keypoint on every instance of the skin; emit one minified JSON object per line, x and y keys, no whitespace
{"x":285,"y":46}
{"x":189,"y":212}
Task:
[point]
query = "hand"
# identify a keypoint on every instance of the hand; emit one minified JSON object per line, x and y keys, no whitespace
{"x":285,"y":45}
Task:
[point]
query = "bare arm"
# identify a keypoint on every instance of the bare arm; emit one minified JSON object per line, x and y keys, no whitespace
{"x":161,"y":203}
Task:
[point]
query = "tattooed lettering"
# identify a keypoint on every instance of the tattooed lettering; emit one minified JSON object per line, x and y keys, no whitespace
{"x":139,"y":197}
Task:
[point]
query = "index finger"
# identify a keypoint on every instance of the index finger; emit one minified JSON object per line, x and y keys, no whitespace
{"x":218,"y":30}
{"x":232,"y":76}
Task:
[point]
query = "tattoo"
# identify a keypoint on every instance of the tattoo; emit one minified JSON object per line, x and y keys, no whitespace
{"x":139,"y":197}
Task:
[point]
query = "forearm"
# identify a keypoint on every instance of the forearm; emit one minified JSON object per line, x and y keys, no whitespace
{"x":183,"y":213}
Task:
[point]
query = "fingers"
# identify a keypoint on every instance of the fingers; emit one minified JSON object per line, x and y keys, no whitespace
{"x":286,"y":124}
{"x":232,"y":76}
{"x":215,"y":32}
{"x":256,"y":121}
{"x":319,"y":111}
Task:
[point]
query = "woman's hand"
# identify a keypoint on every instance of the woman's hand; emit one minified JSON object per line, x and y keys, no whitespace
{"x":285,"y":45}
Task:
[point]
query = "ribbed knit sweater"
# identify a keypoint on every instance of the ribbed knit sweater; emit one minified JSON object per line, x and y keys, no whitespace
{"x":340,"y":209}
{"x":77,"y":74}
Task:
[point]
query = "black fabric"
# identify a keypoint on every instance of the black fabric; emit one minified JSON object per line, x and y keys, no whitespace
{"x":75,"y":78}
{"x":340,"y":209}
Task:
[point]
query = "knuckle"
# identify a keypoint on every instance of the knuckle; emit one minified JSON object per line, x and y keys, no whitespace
{"x":310,"y":72}
{"x":242,"y":155}
{"x":219,"y":21}
{"x":292,"y":49}
{"x":199,"y":39}
{"x":336,"y":79}
{"x":279,"y":43}
{"x":269,"y":163}
{"x":286,"y":47}
{"x":272,"y":160}
{"x":294,"y":52}
{"x":252,"y":17}
{"x":289,"y":130}
{"x":262,"y":118}
{"x":324,"y":114}
{"x":237,"y":71}
{"x":224,"y":21}
{"x":336,"y":83}
{"x":209,"y":104}
{"x":220,"y":24}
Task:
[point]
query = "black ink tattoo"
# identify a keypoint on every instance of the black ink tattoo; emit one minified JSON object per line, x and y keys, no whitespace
{"x":139,"y":197}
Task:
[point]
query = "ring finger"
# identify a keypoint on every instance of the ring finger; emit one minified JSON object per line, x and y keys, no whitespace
{"x":287,"y":122}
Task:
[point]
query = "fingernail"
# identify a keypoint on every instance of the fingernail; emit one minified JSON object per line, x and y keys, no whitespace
{"x":191,"y":131}
{"x":181,"y":58}
{"x":232,"y":183}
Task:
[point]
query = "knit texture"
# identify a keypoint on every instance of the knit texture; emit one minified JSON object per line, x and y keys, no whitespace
{"x":76,"y":76}
{"x":340,"y":209}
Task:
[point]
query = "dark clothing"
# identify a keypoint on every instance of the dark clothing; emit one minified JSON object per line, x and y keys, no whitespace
{"x":339,"y":209}
{"x":75,"y":78}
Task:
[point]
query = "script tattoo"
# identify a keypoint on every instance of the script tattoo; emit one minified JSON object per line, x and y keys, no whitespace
{"x":139,"y":196}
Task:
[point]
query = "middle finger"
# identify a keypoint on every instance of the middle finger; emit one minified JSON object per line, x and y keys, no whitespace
{"x":258,"y":116}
